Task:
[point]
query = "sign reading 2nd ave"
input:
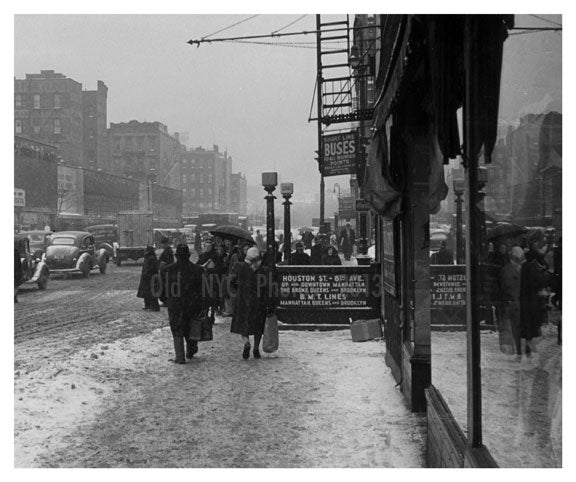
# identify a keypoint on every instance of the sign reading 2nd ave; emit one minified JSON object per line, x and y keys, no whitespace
{"x":339,"y":153}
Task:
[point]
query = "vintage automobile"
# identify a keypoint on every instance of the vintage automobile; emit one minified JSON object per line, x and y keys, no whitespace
{"x":34,"y":270}
{"x":105,"y":236}
{"x":39,"y":240}
{"x":74,"y":252}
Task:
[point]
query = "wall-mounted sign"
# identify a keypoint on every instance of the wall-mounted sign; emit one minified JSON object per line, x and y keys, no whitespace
{"x":19,"y":198}
{"x":347,"y":208}
{"x":448,"y":294}
{"x":362,"y":205}
{"x":339,"y":153}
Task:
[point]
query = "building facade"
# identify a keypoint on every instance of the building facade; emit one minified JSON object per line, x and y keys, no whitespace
{"x":48,"y":109}
{"x":206,"y":181}
{"x":238,"y":194}
{"x":94,"y":127}
{"x":145,"y":150}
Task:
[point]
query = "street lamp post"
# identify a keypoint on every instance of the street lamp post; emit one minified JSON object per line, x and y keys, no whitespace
{"x":458,"y":185}
{"x":270,"y":181}
{"x":287,"y":189}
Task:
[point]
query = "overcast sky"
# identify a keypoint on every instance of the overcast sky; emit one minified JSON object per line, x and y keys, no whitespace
{"x":253,"y":100}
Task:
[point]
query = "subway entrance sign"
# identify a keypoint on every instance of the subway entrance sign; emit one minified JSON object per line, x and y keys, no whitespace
{"x":327,"y":294}
{"x":339,"y":153}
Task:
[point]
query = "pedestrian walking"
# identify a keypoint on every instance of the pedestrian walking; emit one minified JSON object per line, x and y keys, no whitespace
{"x":307,"y":238}
{"x":166,"y":258}
{"x":197,"y":242}
{"x":331,"y":257}
{"x":147,"y":289}
{"x":299,"y":257}
{"x":252,"y":281}
{"x":317,"y":251}
{"x":443,"y":255}
{"x":533,"y":281}
{"x":260,"y":243}
{"x":185,"y":301}
{"x":347,"y":241}
{"x":509,"y":320}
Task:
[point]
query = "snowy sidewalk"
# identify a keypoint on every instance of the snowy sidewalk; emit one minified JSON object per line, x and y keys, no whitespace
{"x":320,"y":401}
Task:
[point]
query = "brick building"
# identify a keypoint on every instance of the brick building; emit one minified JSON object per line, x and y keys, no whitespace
{"x":238,"y":194}
{"x":145,"y":149}
{"x":48,"y":108}
{"x":94,"y":126}
{"x":206,"y":181}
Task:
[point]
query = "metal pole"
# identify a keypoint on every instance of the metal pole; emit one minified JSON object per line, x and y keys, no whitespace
{"x":270,"y":224}
{"x":319,"y":82}
{"x":287,"y":232}
{"x":459,"y":244}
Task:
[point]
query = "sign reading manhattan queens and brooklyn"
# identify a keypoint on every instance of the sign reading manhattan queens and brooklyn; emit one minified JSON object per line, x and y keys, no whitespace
{"x":321,"y":290}
{"x":339,"y":153}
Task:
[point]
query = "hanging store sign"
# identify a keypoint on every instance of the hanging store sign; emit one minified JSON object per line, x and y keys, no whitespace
{"x":339,"y":153}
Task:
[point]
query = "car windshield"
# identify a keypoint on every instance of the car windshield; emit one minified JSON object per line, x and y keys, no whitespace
{"x":36,"y":238}
{"x":63,"y":241}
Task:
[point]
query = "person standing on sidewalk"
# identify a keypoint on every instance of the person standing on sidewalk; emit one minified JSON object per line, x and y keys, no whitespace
{"x":347,"y":241}
{"x":166,"y":258}
{"x":185,"y":301}
{"x":252,"y":282}
{"x":149,"y":275}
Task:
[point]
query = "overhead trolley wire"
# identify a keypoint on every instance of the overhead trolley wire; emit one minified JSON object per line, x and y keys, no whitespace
{"x":230,"y":26}
{"x":546,"y":20}
{"x":290,"y":24}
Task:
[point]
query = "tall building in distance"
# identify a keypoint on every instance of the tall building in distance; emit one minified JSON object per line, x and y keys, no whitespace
{"x":238,"y":194}
{"x":94,"y":125}
{"x":145,"y":151}
{"x":206,"y":181}
{"x":48,"y":109}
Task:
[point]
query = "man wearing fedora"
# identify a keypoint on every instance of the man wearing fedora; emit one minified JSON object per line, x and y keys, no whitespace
{"x":185,"y":301}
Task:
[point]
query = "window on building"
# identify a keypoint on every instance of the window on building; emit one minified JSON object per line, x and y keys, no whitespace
{"x":36,"y":101}
{"x":36,"y":125}
{"x":56,"y":101}
{"x":18,"y":126}
{"x":18,"y":101}
{"x":56,"y":126}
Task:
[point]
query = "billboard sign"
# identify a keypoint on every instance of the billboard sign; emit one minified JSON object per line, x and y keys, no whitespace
{"x":339,"y":153}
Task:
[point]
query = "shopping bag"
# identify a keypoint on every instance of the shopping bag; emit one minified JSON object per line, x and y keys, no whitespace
{"x":201,"y":327}
{"x":195,"y":332}
{"x":270,"y":339}
{"x":206,"y":331}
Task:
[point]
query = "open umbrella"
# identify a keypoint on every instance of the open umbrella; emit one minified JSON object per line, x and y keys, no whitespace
{"x":506,"y":230}
{"x":303,"y":230}
{"x":232,"y":232}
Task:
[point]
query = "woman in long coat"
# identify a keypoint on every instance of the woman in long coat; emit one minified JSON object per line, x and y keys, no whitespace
{"x":149,"y":276}
{"x":252,"y":282}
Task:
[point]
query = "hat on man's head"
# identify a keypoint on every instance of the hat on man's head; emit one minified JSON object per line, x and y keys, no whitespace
{"x":183,"y":251}
{"x":299,"y":244}
{"x":150,"y":249}
{"x":252,"y":255}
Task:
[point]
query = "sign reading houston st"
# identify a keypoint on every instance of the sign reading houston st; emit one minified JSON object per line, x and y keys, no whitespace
{"x":339,"y":153}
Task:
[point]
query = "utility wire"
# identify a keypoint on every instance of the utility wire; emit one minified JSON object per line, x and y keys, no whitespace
{"x":230,"y":26}
{"x":290,"y":24}
{"x":546,"y":20}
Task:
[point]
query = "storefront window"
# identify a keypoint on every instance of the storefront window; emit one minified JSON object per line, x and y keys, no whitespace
{"x":521,"y":289}
{"x":448,"y":295}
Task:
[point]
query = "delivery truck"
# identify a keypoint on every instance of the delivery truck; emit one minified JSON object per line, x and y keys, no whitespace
{"x":135,"y":232}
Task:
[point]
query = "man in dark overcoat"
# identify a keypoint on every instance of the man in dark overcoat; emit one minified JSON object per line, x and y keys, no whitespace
{"x":347,"y":241}
{"x":149,"y":276}
{"x":185,"y":301}
{"x":166,"y":258}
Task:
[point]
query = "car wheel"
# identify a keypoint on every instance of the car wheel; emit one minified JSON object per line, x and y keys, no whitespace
{"x":43,"y":282}
{"x":86,"y":270}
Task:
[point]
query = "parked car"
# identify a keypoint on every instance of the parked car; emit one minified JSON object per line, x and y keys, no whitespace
{"x":34,"y":270}
{"x":75,"y":252}
{"x":105,"y":236}
{"x":39,"y":240}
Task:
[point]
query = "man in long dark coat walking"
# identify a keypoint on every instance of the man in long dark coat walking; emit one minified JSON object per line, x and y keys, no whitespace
{"x":347,"y":241}
{"x":185,"y":301}
{"x":147,"y":288}
{"x":166,"y":258}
